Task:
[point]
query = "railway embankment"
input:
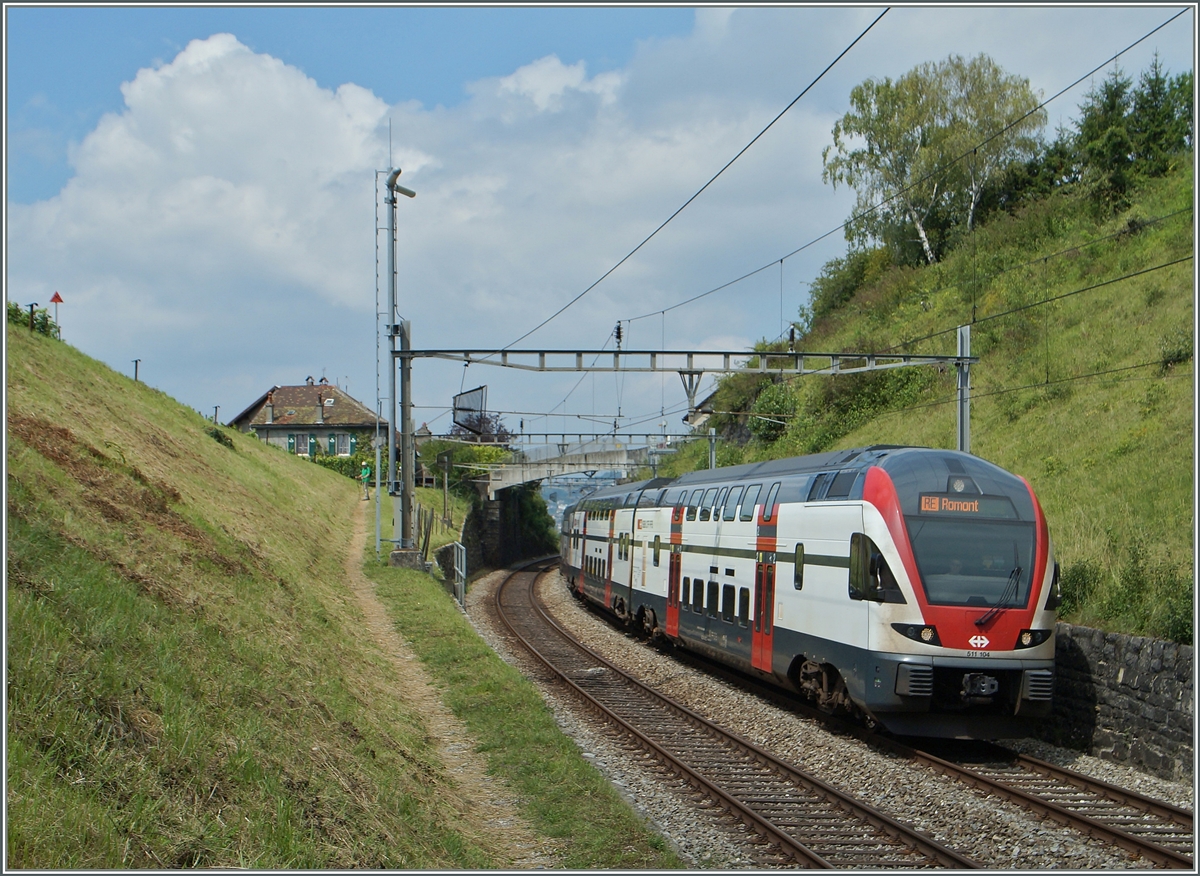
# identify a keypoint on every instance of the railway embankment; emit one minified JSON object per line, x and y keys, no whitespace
{"x":194,"y":679}
{"x":1129,"y":699}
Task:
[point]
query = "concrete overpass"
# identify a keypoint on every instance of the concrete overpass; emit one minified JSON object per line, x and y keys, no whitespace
{"x":504,"y":475}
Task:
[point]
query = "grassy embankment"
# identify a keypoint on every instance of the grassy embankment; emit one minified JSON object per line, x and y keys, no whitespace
{"x":188,"y":683}
{"x":1111,"y":456}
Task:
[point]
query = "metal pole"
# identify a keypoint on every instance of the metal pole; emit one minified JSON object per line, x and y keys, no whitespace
{"x":31,"y":307}
{"x":390,"y":200}
{"x":378,"y":481}
{"x":712,"y":447}
{"x":964,"y":390}
{"x":135,"y":369}
{"x":409,"y":461}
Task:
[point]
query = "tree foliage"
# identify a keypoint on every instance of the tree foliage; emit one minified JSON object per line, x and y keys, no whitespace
{"x":1126,"y":132}
{"x":927,"y":146}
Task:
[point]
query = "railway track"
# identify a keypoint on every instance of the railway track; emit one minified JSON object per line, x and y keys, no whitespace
{"x":807,"y":820}
{"x":1157,"y":831}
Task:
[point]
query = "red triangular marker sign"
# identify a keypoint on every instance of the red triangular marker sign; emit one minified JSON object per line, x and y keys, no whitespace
{"x":57,"y":299}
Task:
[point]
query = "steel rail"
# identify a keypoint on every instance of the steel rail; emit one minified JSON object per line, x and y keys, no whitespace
{"x":1153,"y":851}
{"x":911,"y":840}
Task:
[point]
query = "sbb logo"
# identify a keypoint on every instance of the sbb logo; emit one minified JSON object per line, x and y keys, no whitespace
{"x":979,"y":641}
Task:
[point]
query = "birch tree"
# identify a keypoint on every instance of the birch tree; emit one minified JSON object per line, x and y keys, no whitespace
{"x":884,"y":148}
{"x":930,"y":143}
{"x":992,"y":115}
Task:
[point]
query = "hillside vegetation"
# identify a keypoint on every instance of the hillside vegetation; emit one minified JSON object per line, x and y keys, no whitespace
{"x":188,"y":679}
{"x":1083,"y":325}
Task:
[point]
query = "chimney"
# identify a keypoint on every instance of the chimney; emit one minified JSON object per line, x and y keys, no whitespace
{"x":320,"y":407}
{"x":270,"y":408}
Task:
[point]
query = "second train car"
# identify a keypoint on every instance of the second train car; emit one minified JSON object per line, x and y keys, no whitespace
{"x":910,"y":586}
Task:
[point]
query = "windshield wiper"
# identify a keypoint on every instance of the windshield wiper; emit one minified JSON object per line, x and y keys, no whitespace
{"x":1010,"y":590}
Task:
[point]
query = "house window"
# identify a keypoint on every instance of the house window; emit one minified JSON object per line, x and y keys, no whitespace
{"x":343,"y":445}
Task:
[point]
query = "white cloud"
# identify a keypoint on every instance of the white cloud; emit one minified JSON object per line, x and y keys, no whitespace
{"x":220,"y":226}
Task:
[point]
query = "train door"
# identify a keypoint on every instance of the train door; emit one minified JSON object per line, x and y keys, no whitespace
{"x":674,"y":560}
{"x":607,"y":564}
{"x":763,"y":632}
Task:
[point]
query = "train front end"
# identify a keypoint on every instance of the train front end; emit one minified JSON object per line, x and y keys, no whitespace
{"x":958,"y":565}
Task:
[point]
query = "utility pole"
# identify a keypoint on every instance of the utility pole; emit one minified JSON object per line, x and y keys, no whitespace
{"x":215,"y":409}
{"x":394,"y":329}
{"x":408,"y":450}
{"x":135,"y":369}
{"x":964,"y":389}
{"x":31,"y":307}
{"x":712,"y":447}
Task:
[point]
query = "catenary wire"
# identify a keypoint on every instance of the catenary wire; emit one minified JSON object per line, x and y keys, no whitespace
{"x":941,"y":169}
{"x":702,"y":188}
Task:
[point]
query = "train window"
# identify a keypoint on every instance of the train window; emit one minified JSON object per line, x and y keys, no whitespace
{"x":657,"y":548}
{"x":744,"y":606}
{"x":662,"y":495}
{"x":731,"y":503}
{"x":716,"y":512}
{"x":697,"y":595}
{"x":814,"y":492}
{"x":798,"y":575}
{"x":870,"y":575}
{"x":693,"y":503}
{"x":750,"y":501}
{"x":687,"y":585}
{"x":769,"y":505}
{"x":728,"y":592}
{"x":839,"y":488}
{"x":714,"y":590}
{"x":706,"y":503}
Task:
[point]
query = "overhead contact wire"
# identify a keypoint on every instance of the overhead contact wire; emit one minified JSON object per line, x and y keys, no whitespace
{"x":702,"y":188}
{"x":936,"y":171}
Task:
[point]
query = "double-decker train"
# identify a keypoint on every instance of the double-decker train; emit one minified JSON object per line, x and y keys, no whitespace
{"x":912,"y":587}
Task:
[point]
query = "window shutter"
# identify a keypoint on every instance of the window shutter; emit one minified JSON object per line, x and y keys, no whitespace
{"x":332,"y":446}
{"x":353,"y":444}
{"x":291,"y":443}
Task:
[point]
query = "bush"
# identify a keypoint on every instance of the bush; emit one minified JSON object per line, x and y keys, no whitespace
{"x":42,"y":323}
{"x":350,"y":466}
{"x":841,"y":278}
{"x":774,"y":409}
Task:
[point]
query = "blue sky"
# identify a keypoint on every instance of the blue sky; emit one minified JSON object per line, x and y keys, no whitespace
{"x":200,"y":184}
{"x":65,"y":65}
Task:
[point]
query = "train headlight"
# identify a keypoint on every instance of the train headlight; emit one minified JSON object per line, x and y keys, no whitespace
{"x":923,"y":633}
{"x":1031,"y":638}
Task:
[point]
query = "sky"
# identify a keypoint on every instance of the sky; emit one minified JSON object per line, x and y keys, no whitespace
{"x":201,"y":185}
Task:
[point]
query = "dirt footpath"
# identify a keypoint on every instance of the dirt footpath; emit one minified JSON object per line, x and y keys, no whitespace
{"x":490,"y":809}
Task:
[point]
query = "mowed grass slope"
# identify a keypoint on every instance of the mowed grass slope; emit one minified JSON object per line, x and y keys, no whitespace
{"x":188,"y":683}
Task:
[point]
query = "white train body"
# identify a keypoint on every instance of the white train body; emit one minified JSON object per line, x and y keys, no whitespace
{"x":912,"y":585}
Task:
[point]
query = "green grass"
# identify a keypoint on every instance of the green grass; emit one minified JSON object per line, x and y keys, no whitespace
{"x":188,"y":683}
{"x":565,"y":797}
{"x":1111,"y":456}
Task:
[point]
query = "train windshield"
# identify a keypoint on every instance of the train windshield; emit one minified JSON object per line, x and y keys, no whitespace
{"x":974,"y":562}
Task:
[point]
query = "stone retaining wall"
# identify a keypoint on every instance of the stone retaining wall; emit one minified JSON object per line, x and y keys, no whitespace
{"x":1128,"y":699}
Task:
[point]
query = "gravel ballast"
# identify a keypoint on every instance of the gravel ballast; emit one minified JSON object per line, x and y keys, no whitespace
{"x":994,"y":833}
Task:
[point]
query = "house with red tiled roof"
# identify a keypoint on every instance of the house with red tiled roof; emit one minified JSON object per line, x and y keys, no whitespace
{"x":311,"y":419}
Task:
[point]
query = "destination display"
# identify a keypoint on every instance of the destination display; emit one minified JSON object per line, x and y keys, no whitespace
{"x":958,"y":505}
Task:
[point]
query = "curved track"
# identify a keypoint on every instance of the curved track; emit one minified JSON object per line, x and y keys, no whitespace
{"x":1159,"y":832}
{"x":809,"y":821}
